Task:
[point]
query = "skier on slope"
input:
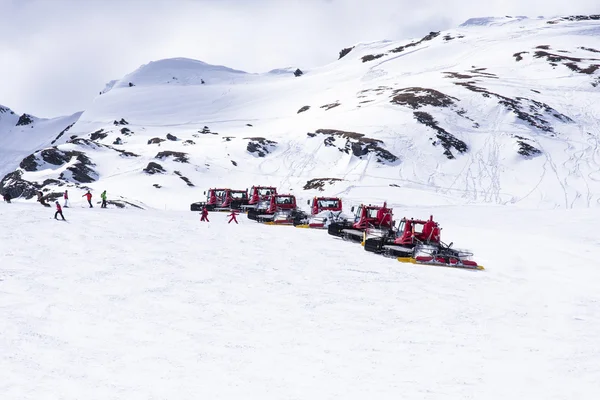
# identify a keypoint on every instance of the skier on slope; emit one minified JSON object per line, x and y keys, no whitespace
{"x":66,"y":198}
{"x":88,"y":195}
{"x":204,"y":214}
{"x":232,"y":215}
{"x":103,"y":196}
{"x":7,"y":197}
{"x":58,"y":211}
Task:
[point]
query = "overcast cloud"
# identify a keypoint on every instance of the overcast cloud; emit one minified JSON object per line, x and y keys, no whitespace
{"x":56,"y":55}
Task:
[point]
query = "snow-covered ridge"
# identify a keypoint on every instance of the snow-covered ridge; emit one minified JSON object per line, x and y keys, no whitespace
{"x":25,"y":133}
{"x":494,"y":21}
{"x":177,"y":71}
{"x":501,"y":110}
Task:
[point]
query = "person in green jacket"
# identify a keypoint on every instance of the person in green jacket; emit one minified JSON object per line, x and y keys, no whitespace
{"x":103,"y":196}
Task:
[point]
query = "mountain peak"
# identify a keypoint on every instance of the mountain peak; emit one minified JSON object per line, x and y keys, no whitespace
{"x":176,"y":71}
{"x":495,"y":21}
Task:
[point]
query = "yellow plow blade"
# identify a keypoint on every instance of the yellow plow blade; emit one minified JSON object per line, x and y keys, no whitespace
{"x":407,"y":260}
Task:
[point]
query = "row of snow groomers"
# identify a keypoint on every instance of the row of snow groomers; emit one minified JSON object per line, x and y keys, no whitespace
{"x":264,"y":204}
{"x":413,"y":241}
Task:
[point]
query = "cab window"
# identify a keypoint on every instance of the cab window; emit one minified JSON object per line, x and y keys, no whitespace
{"x":372,"y":213}
{"x":358,"y":214}
{"x":283,"y":200}
{"x":401,"y":226}
{"x":418,"y":228}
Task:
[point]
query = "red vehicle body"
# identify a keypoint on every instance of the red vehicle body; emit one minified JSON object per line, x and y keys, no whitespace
{"x":415,"y":231}
{"x":366,"y":216}
{"x":233,"y":199}
{"x":419,"y":242}
{"x":323,"y":210}
{"x":278,"y":209}
{"x":320,"y":204}
{"x":260,"y":193}
{"x":281,"y":202}
{"x":214,"y":198}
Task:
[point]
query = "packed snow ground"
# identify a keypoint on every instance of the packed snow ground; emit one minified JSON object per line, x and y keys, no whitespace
{"x":132,"y":304}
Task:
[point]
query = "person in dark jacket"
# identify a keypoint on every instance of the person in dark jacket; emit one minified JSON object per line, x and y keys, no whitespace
{"x":58,"y":211}
{"x":7,"y":197}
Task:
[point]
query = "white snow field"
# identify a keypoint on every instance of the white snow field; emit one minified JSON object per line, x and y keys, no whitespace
{"x":137,"y":304}
{"x":492,"y":127}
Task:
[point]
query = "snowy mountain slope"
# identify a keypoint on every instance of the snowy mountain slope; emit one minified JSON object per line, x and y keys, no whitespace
{"x":149,"y":304}
{"x":128,"y":309}
{"x":498,"y":110}
{"x":21,"y":135}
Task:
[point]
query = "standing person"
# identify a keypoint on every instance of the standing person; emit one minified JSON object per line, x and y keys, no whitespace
{"x":88,"y":195}
{"x":58,"y":211}
{"x":7,"y":197}
{"x":204,"y":215}
{"x":103,"y":196}
{"x":232,"y":215}
{"x":66,"y":197}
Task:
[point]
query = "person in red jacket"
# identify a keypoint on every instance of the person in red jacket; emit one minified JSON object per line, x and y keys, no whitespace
{"x":232,"y":215}
{"x":204,"y":215}
{"x":66,"y":197}
{"x":88,"y":195}
{"x":58,"y":211}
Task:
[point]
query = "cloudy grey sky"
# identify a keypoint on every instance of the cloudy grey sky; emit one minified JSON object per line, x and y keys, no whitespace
{"x":56,"y":55}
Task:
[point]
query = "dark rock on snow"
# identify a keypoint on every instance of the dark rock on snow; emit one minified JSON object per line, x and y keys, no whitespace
{"x":155,"y":140}
{"x":25,"y":119}
{"x":260,"y":146}
{"x":177,"y":156}
{"x":154,"y":168}
{"x":99,"y":134}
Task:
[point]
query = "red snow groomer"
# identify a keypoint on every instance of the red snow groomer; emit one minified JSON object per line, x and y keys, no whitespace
{"x":323,"y":211}
{"x":375,"y":218}
{"x":233,"y":200}
{"x":279,"y":209}
{"x":214,"y":198}
{"x":259,"y":194}
{"x":419,"y":242}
